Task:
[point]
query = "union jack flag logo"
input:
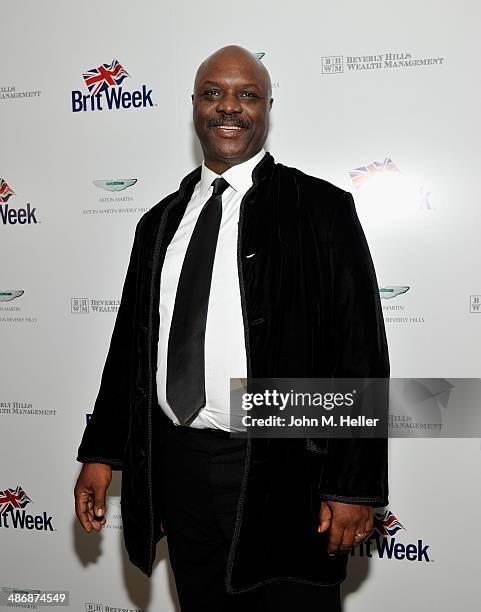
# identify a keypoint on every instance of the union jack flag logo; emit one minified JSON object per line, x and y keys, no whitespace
{"x":386,"y":524}
{"x":105,"y":76}
{"x":13,"y":498}
{"x":359,"y":176}
{"x":5,"y":191}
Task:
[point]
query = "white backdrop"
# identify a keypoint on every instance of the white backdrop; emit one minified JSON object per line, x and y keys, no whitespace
{"x":380,"y":98}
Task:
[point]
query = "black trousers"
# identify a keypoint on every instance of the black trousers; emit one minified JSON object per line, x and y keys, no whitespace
{"x":201,"y":476}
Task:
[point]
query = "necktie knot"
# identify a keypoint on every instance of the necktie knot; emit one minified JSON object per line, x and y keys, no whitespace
{"x":220,"y":185}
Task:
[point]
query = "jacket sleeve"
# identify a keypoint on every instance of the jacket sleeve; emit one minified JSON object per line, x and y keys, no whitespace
{"x":106,"y":433}
{"x":356,"y":469}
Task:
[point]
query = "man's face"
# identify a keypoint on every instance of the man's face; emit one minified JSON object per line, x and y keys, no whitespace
{"x":231,"y":107}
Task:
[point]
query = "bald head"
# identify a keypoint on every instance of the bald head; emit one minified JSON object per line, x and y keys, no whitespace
{"x":234,"y":56}
{"x":231,"y":102}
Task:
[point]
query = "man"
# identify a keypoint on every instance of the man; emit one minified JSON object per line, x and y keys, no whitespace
{"x":251,"y":269}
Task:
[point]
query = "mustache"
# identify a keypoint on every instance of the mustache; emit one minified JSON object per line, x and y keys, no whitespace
{"x":213,"y":122}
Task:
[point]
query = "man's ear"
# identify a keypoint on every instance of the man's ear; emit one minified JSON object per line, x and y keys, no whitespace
{"x":192,"y":98}
{"x":270,"y":103}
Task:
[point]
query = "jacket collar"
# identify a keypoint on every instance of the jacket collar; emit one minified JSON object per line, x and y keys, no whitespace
{"x":260,"y":172}
{"x":239,"y":176}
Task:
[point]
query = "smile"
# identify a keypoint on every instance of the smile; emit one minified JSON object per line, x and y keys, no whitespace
{"x":228,"y":127}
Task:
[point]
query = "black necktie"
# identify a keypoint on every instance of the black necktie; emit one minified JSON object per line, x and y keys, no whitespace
{"x":185,"y":353}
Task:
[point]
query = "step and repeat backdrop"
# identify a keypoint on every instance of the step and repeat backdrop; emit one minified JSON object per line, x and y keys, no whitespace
{"x":380,"y":98}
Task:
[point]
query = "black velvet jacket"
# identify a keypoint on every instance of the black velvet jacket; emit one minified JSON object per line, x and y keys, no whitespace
{"x":311,"y":308}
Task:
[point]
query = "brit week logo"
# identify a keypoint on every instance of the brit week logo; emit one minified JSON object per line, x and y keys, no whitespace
{"x":106,"y":90}
{"x":13,"y":216}
{"x":14,"y":512}
{"x":5,"y":191}
{"x":383,"y":540}
{"x":359,"y":176}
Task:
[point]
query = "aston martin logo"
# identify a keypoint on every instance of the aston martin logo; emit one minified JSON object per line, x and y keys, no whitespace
{"x":9,"y":295}
{"x":389,"y":292}
{"x":115,"y":184}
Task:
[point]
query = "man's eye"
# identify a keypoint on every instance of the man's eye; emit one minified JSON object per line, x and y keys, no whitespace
{"x":248,"y":94}
{"x":212,"y":92}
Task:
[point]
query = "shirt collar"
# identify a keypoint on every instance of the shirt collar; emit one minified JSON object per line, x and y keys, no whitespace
{"x":239,"y":176}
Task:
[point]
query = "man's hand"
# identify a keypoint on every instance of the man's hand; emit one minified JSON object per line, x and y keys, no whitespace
{"x":348,"y":524}
{"x":89,"y":492}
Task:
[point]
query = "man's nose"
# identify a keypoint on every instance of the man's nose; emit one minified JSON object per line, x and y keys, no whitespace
{"x":229,"y":104}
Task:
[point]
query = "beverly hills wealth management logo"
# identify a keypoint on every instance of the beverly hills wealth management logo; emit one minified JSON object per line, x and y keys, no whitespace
{"x":339,"y":64}
{"x":107,"y":92}
{"x":17,"y":408}
{"x":100,"y":607}
{"x":475,"y":303}
{"x":384,"y":541}
{"x":12,"y":92}
{"x":91,"y":305}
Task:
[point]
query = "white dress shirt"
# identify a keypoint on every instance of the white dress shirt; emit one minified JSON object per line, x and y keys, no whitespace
{"x":225,"y":352}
